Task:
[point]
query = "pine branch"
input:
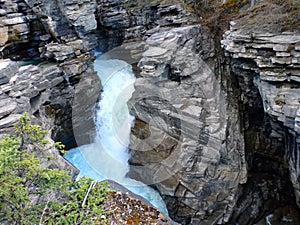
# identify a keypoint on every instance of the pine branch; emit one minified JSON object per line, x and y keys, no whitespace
{"x":44,"y":211}
{"x":92,"y":185}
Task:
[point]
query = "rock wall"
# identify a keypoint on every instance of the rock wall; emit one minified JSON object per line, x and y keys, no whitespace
{"x":46,"y":67}
{"x":186,"y":141}
{"x":169,"y":61}
{"x":128,"y":21}
{"x":267,"y":67}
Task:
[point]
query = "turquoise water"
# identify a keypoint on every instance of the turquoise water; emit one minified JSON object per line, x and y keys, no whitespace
{"x":107,"y":157}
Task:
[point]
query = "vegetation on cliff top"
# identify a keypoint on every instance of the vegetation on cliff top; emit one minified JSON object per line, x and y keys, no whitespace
{"x":272,"y":16}
{"x":31,"y":194}
{"x":267,"y":15}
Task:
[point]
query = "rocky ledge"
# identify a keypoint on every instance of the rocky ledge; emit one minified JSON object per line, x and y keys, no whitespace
{"x":46,"y":67}
{"x":268,"y":69}
{"x":128,"y":21}
{"x":276,"y":55}
{"x":129,"y":208}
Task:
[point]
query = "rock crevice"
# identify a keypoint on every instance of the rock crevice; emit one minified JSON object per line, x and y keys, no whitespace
{"x":267,"y":67}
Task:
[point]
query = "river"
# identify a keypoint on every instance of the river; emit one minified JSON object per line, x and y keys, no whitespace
{"x":107,"y":157}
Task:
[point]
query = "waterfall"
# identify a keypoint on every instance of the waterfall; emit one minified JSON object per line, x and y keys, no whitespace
{"x":107,"y":157}
{"x":67,"y":79}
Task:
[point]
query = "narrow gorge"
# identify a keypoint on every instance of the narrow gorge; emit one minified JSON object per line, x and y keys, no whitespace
{"x":215,"y":98}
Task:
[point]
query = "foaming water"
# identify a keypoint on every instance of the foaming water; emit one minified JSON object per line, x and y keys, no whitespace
{"x":107,"y":157}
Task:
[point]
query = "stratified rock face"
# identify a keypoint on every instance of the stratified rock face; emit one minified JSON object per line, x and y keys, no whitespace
{"x":268,"y":68}
{"x":181,"y":142}
{"x":59,"y":36}
{"x":129,"y":21}
{"x":44,"y":92}
{"x":27,"y":26}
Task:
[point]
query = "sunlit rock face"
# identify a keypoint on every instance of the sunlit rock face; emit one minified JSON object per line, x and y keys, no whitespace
{"x":267,"y":66}
{"x":186,"y":140}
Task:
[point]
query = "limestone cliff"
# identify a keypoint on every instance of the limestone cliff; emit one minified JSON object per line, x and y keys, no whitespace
{"x":50,"y":44}
{"x":186,"y":140}
{"x":267,"y":66}
{"x":127,"y":21}
{"x":217,"y":135}
{"x":195,"y":127}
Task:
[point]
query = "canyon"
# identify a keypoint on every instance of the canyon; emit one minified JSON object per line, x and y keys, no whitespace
{"x":217,"y":115}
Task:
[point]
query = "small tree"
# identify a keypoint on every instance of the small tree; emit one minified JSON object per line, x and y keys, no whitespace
{"x":30,"y":194}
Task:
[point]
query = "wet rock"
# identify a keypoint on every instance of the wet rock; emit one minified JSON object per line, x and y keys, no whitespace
{"x":83,"y":108}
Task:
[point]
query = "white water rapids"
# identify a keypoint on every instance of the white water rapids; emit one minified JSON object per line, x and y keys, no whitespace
{"x":107,"y":157}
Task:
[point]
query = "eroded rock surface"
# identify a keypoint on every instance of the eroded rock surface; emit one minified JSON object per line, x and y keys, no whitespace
{"x":181,"y":142}
{"x":44,"y":92}
{"x":188,"y":140}
{"x":267,"y":66}
{"x":129,"y":21}
{"x":47,"y":63}
{"x":27,"y":26}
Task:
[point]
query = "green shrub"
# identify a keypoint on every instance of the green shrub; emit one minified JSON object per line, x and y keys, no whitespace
{"x":31,"y":194}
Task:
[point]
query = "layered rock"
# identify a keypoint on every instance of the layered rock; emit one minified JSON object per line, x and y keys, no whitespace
{"x":27,"y":26}
{"x":267,"y":66}
{"x":181,"y":142}
{"x":128,"y":21}
{"x":45,"y":92}
{"x":187,"y":139}
{"x":60,"y":88}
{"x":59,"y":39}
